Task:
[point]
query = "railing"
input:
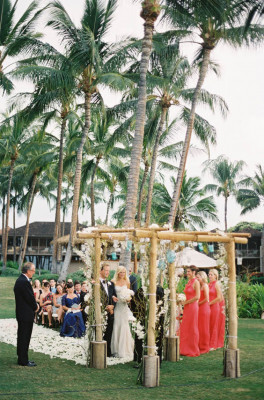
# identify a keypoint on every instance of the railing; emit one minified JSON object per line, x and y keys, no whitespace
{"x":248,"y":253}
{"x":30,"y":250}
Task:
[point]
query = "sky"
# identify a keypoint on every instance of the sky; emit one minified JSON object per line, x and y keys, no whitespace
{"x":240,"y":136}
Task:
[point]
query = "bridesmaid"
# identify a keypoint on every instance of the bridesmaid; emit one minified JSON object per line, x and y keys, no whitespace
{"x":221,"y":331}
{"x":214,"y":298}
{"x":204,"y":314}
{"x":189,"y":333}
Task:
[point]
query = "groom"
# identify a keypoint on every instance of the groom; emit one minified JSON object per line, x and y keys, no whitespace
{"x":108,"y":295}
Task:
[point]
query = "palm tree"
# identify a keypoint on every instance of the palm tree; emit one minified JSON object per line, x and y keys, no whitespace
{"x":15,"y":36}
{"x":14,"y":133}
{"x":150,"y":12}
{"x":89,"y":57}
{"x":252,"y":195}
{"x":194,"y":206}
{"x":213,"y":22}
{"x":167,"y":79}
{"x":39,"y":153}
{"x":226,"y":174}
{"x":54,"y":94}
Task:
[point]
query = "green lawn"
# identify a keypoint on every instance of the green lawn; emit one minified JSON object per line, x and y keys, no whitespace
{"x":192,"y":378}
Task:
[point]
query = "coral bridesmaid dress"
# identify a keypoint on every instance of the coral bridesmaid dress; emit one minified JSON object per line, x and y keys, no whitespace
{"x":221,"y":332}
{"x":189,"y":333}
{"x":214,"y":317}
{"x":204,"y":325}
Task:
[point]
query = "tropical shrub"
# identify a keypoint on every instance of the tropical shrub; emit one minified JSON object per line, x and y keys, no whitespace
{"x":250,"y":299}
{"x":9,"y":272}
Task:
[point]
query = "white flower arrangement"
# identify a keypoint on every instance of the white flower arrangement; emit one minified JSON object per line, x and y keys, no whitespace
{"x":180,"y":297}
{"x":125,"y":295}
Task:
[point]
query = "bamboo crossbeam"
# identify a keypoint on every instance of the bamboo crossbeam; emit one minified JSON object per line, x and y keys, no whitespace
{"x":142,"y":233}
{"x":177,"y":236}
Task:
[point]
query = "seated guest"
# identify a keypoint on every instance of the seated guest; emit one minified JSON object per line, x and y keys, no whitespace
{"x":82,"y":294}
{"x":46,"y":302}
{"x":52,"y":285}
{"x":133,"y":281}
{"x":37,"y":292}
{"x":57,"y":306}
{"x":73,"y":324}
{"x":83,"y":291}
{"x":77,"y":288}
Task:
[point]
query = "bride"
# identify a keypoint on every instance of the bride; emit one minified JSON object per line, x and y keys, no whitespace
{"x":122,"y":343}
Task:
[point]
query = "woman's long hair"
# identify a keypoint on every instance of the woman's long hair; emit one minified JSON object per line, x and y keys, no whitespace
{"x":119,"y":269}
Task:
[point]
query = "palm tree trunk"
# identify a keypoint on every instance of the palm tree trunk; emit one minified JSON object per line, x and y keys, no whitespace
{"x":92,"y":191}
{"x":150,"y":12}
{"x":3,"y":224}
{"x":77,"y":183}
{"x":11,"y":172}
{"x":30,"y":203}
{"x":108,"y":206}
{"x":58,"y":202}
{"x":14,"y":228}
{"x":141,"y":190}
{"x":133,"y":178}
{"x":225,"y":214}
{"x":178,"y":185}
{"x":153,"y":165}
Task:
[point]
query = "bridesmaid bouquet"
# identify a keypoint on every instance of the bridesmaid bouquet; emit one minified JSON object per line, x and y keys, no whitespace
{"x":125,"y":295}
{"x":180,"y":297}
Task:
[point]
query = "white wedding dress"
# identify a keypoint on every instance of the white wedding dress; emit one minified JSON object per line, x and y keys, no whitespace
{"x":122,"y":343}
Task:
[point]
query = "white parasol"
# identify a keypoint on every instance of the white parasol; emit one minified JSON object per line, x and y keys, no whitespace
{"x":189,"y":256}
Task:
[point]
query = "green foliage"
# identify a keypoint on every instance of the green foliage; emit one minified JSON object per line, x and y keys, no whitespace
{"x":250,"y":300}
{"x":9,"y":272}
{"x":77,"y":276}
{"x":257,"y":280}
{"x":181,"y":285}
{"x":243,"y":225}
{"x":12,"y":264}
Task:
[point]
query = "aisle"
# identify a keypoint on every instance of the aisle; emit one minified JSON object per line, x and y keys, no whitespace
{"x":49,"y":341}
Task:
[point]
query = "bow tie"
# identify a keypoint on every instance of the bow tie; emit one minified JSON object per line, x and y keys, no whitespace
{"x":104,"y":281}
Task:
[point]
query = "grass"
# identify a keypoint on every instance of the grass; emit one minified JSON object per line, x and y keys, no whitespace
{"x":192,"y":378}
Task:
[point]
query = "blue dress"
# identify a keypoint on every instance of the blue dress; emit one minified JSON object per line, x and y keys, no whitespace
{"x":73,"y":324}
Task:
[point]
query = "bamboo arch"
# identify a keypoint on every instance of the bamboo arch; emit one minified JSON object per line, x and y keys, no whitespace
{"x":151,"y":370}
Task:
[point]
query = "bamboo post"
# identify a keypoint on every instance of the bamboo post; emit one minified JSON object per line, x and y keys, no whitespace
{"x":98,"y":347}
{"x":135,"y":263}
{"x":151,"y":361}
{"x":172,"y":345}
{"x":232,"y":359}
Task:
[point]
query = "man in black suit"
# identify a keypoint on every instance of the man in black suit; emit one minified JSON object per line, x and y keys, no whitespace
{"x":25,"y":309}
{"x":108,"y":298}
{"x":133,"y":281}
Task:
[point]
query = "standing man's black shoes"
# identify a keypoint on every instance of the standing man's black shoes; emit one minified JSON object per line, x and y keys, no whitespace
{"x":29,"y":364}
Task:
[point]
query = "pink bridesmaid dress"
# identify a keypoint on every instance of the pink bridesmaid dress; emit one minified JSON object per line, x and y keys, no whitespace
{"x":214,"y":316}
{"x":189,"y":333}
{"x":221,"y":328}
{"x":204,"y":325}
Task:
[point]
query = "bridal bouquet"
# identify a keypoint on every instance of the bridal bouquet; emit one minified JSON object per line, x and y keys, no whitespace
{"x":125,"y":295}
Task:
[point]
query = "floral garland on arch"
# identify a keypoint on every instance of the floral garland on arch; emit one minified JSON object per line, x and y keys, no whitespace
{"x":86,"y":254}
{"x":221,"y":257}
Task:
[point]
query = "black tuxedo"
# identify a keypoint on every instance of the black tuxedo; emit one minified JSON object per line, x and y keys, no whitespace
{"x":133,"y":283}
{"x":25,"y":309}
{"x":107,"y":300}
